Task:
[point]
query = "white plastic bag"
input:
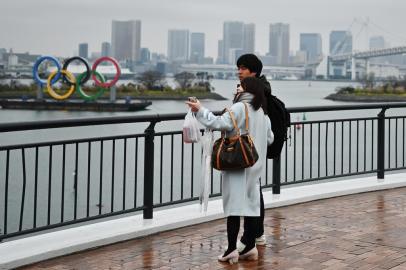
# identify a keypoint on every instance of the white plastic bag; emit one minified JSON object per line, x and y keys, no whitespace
{"x":191,"y":131}
{"x":205,"y":180}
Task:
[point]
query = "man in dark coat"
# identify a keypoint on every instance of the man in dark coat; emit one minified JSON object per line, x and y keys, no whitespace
{"x":250,"y":66}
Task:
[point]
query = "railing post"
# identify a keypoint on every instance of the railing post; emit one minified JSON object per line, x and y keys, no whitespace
{"x":381,"y":144}
{"x":149,"y":171}
{"x":276,"y":175}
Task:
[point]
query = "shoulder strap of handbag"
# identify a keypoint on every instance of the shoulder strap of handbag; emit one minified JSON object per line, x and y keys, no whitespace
{"x":246,"y":117}
{"x":235,"y":123}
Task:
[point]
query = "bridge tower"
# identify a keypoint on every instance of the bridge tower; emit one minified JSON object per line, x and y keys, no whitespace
{"x":353,"y":69}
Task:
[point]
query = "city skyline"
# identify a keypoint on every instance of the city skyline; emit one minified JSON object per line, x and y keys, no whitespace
{"x":158,"y":17}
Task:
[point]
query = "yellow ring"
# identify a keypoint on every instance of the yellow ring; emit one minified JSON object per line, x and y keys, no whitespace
{"x":51,"y":91}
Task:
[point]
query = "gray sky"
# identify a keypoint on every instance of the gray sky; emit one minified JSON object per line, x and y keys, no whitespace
{"x":57,"y":27}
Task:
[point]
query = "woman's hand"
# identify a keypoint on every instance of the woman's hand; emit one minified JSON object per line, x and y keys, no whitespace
{"x":194,"y":106}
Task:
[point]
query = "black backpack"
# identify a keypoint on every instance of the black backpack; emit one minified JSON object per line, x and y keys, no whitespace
{"x":280,"y":121}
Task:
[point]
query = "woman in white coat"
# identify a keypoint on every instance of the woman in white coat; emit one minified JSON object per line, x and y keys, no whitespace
{"x":241,"y":188}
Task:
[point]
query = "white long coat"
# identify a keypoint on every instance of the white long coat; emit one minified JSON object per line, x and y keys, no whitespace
{"x":241,"y":188}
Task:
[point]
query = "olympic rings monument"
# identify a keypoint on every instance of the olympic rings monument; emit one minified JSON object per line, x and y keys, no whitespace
{"x":75,"y":84}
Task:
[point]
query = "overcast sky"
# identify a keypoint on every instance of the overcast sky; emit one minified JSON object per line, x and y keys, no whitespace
{"x":56,"y":27}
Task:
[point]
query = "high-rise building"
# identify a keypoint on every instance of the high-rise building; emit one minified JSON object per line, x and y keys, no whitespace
{"x":220,"y":52}
{"x":178,"y":45}
{"x":237,"y":38}
{"x":197,"y":48}
{"x":126,"y":40}
{"x":248,"y":45}
{"x":106,"y":49}
{"x":84,"y":50}
{"x":377,"y":42}
{"x":279,"y":42}
{"x":311,"y":44}
{"x":232,"y":39}
{"x":340,"y":42}
{"x":145,"y":55}
{"x":2,"y":51}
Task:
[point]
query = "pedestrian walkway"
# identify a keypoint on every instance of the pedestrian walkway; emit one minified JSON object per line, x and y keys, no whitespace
{"x":361,"y":231}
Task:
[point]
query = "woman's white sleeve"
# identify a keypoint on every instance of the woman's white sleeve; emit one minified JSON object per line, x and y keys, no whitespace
{"x":209,"y":120}
{"x":269,"y":130}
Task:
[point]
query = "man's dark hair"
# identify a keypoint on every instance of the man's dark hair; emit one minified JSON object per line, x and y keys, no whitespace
{"x":251,"y":62}
{"x":256,"y":87}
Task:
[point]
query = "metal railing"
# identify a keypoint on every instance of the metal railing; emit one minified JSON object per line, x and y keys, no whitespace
{"x":62,"y":182}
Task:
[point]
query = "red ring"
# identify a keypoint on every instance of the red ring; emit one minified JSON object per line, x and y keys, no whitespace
{"x":106,"y":84}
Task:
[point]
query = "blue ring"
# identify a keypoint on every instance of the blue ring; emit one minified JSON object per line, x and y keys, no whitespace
{"x":36,"y":66}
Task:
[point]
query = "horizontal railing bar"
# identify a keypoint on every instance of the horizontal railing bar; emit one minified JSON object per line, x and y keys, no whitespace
{"x":85,"y":140}
{"x":348,"y":107}
{"x":157,"y":134}
{"x":395,"y":117}
{"x":62,"y":123}
{"x":71,"y":222}
{"x":72,"y":141}
{"x":395,"y":169}
{"x":176,"y":202}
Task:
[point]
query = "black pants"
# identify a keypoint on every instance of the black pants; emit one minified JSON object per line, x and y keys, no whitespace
{"x":259,"y":229}
{"x":233,"y":227}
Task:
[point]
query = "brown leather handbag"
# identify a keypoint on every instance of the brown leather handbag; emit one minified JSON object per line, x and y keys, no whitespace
{"x":236,"y":152}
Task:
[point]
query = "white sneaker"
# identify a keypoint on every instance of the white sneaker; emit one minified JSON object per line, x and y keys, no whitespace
{"x":260,"y":241}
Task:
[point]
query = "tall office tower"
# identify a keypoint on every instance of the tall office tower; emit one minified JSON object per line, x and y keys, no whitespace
{"x":178,"y":45}
{"x":377,"y":42}
{"x":340,"y":42}
{"x":220,"y":52}
{"x":2,"y":51}
{"x":197,"y":48}
{"x":126,"y":40}
{"x":84,"y":50}
{"x":311,"y":44}
{"x":279,"y":43}
{"x":106,"y":49}
{"x":248,"y":45}
{"x":145,"y":55}
{"x":232,"y":39}
{"x":238,"y":38}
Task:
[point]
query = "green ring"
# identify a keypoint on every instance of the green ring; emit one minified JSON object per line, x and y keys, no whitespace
{"x":100,"y":89}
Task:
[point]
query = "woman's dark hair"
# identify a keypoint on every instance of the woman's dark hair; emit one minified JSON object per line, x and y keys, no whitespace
{"x":256,"y":87}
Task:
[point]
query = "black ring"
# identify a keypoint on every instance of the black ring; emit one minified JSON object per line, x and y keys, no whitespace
{"x":80,"y":59}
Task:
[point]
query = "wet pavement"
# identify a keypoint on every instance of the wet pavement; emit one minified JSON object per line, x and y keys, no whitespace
{"x":361,"y":231}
